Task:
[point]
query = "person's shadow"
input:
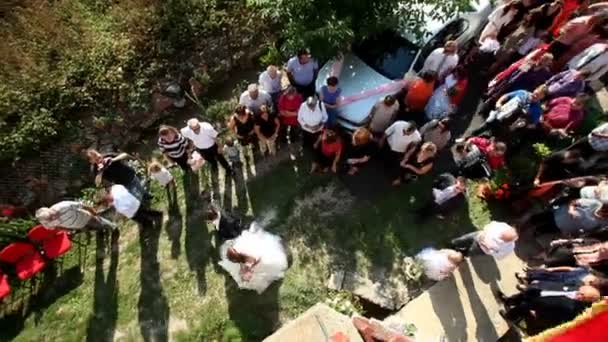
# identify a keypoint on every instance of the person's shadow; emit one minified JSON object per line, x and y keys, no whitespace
{"x":487,"y":271}
{"x":102,"y":322}
{"x":175,"y":222}
{"x":153,"y":306}
{"x":253,"y":315}
{"x":197,"y":242}
{"x":448,"y":308}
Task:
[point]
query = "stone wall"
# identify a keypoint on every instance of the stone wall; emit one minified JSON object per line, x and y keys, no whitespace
{"x":43,"y":178}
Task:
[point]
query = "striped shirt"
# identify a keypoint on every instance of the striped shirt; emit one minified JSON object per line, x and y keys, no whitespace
{"x":72,"y":215}
{"x":174,"y":149}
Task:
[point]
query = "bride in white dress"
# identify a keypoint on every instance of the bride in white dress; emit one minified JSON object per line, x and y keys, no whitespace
{"x":254,"y":259}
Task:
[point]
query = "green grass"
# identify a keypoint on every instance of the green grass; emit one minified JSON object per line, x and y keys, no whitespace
{"x":148,"y":289}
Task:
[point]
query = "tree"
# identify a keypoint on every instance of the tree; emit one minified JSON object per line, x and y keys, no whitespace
{"x":330,"y":26}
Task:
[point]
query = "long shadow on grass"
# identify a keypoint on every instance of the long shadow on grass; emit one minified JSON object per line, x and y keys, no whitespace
{"x":15,"y":315}
{"x":197,"y":244}
{"x":175,"y":222}
{"x":102,"y":322}
{"x":255,"y":316}
{"x":153,"y":306}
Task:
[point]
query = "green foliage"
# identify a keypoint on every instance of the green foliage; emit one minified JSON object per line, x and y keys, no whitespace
{"x":219,"y":111}
{"x":14,"y":228}
{"x":344,"y":302}
{"x":330,"y":26}
{"x":272,"y":56}
{"x":67,"y":60}
{"x":499,"y":177}
{"x":541,"y":150}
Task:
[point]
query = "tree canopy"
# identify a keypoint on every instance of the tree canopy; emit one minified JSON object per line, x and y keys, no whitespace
{"x":330,"y":26}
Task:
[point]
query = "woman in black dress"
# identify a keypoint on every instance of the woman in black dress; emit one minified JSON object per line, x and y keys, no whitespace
{"x":419,"y":163}
{"x":242,"y":124}
{"x":361,"y":151}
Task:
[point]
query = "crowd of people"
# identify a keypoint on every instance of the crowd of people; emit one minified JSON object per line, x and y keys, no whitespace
{"x":539,"y":57}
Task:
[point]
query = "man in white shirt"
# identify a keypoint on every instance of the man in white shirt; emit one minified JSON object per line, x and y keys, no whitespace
{"x":446,"y":189}
{"x":129,"y":206}
{"x":270,"y":82}
{"x":302,"y":71}
{"x":497,"y":239}
{"x":72,"y":215}
{"x":254,"y":98}
{"x":401,"y":138}
{"x":593,"y":59}
{"x":204,"y":138}
{"x":442,"y":60}
{"x":312,"y":116}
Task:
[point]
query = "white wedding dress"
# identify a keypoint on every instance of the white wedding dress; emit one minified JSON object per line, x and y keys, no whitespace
{"x":436,"y":264}
{"x":257,"y":243}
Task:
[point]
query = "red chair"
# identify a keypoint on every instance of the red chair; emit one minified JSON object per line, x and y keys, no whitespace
{"x":5,"y":288}
{"x":54,"y":242}
{"x":24,"y":257}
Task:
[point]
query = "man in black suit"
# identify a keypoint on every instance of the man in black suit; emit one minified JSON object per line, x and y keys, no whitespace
{"x":228,"y":226}
{"x":546,"y":309}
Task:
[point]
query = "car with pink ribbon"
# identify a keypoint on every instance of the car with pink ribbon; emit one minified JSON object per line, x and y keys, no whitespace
{"x":382,"y":64}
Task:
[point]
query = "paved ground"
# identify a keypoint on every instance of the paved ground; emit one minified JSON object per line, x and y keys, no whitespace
{"x":463,"y":307}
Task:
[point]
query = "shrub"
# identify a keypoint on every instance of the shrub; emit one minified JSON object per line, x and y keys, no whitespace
{"x":330,"y":26}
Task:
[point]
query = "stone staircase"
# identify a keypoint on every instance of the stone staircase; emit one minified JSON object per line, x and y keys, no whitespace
{"x":463,"y":307}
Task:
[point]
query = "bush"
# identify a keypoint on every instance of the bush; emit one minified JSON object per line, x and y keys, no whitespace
{"x":219,"y":111}
{"x":330,"y":26}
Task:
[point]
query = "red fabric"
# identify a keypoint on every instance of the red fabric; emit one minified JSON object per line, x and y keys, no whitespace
{"x":567,"y":9}
{"x":485,"y":146}
{"x":590,"y":330}
{"x":292,"y":105}
{"x":5,"y":288}
{"x":331,"y":149}
{"x":461,"y":90}
{"x":55,"y":242}
{"x":24,"y":256}
{"x":534,"y":55}
{"x":418,"y":94}
{"x":12,"y":211}
{"x":561,"y":114}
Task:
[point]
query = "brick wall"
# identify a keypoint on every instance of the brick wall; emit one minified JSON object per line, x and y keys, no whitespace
{"x":43,"y":179}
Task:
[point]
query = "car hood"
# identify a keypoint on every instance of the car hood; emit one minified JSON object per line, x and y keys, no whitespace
{"x":355,"y":77}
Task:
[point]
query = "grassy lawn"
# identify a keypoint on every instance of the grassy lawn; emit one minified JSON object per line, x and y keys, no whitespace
{"x":159,"y":284}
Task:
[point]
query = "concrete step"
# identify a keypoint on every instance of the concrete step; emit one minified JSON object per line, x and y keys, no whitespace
{"x":318,"y":323}
{"x":463,"y":307}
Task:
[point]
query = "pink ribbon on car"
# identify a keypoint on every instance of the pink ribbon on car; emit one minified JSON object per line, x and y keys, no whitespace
{"x":392,"y":86}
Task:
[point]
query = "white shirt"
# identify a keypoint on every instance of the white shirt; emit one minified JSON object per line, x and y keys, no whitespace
{"x":594,"y":59}
{"x":442,"y":196}
{"x":72,"y":215}
{"x":124,"y":202}
{"x":491,"y":238}
{"x":270,"y":85}
{"x":569,"y":294}
{"x":312,"y":120}
{"x":397,"y":140}
{"x":440,"y":63}
{"x":163,"y":177}
{"x":254,"y":105}
{"x":205,"y":137}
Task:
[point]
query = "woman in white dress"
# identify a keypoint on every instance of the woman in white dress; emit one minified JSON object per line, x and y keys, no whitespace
{"x":439,"y":264}
{"x":254,"y":259}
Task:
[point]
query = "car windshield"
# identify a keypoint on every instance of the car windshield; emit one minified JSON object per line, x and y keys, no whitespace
{"x":388,"y":53}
